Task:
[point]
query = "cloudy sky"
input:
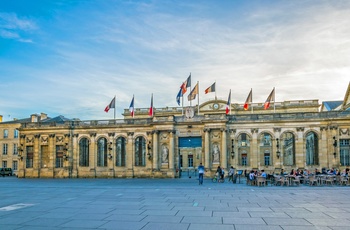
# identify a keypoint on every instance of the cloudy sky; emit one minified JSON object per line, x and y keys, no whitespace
{"x":70,"y":57}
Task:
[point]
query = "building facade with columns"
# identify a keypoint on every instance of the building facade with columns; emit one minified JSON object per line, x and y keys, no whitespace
{"x":172,"y":143}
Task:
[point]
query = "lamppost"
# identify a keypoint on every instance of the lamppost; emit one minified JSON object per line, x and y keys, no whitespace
{"x":335,"y":146}
{"x":233,"y":149}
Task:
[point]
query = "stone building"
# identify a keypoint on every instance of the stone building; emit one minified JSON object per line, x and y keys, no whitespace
{"x":288,"y":135}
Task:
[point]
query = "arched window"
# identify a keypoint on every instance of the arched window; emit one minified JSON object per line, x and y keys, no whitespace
{"x":243,"y":149}
{"x":311,"y":149}
{"x":84,"y":152}
{"x":288,"y":148}
{"x":102,"y":152}
{"x":140,"y":151}
{"x":265,"y":149}
{"x":121,"y":152}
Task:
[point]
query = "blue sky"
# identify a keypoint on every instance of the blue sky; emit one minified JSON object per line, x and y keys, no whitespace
{"x":71,"y":57}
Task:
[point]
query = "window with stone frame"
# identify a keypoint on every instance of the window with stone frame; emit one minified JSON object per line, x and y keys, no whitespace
{"x":4,"y":149}
{"x":102,"y":152}
{"x":15,"y":149}
{"x":59,"y":156}
{"x":244,"y":159}
{"x":288,"y":149}
{"x":15,"y":165}
{"x":120,"y":159}
{"x":15,"y":133}
{"x":140,"y":151}
{"x":311,"y":145}
{"x":29,"y":156}
{"x":6,"y":133}
{"x":84,"y":152}
{"x":344,"y":147}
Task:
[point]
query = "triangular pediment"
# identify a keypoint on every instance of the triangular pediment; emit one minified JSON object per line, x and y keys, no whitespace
{"x":346,"y":102}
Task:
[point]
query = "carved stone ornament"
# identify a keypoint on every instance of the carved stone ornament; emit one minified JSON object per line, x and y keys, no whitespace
{"x":30,"y":140}
{"x":344,"y":132}
{"x":59,"y":139}
{"x":44,"y":139}
{"x":189,"y":112}
{"x":164,"y":136}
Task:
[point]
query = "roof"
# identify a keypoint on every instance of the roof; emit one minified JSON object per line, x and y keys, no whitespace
{"x":331,"y":105}
{"x":58,"y":119}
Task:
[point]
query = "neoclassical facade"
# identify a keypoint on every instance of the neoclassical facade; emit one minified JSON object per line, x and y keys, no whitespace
{"x":288,"y":135}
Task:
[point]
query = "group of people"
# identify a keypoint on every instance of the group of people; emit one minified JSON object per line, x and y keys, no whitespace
{"x":253,"y":174}
{"x":324,"y":171}
{"x":220,"y":172}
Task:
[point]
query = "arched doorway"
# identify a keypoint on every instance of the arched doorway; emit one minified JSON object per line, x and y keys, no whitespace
{"x":189,"y":156}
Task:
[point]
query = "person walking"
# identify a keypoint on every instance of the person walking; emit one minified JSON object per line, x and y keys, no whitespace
{"x":200,"y":173}
{"x":231,"y":173}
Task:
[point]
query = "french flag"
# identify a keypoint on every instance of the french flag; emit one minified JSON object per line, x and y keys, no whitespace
{"x":132,"y":107}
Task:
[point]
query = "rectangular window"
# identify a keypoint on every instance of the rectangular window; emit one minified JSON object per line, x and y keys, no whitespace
{"x":4,"y":164}
{"x":15,"y":133}
{"x":4,"y":149}
{"x":15,"y":149}
{"x":190,"y":161}
{"x":6,"y":133}
{"x":59,"y":156}
{"x":181,"y":162}
{"x":30,"y":156}
{"x":244,"y":159}
{"x":267,"y":158}
{"x":15,"y":165}
{"x":344,"y":152}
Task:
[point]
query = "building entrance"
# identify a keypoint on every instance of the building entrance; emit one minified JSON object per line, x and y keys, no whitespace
{"x":189,"y":156}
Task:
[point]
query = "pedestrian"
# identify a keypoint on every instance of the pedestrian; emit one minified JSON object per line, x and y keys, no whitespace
{"x":231,"y":172}
{"x":200,"y":173}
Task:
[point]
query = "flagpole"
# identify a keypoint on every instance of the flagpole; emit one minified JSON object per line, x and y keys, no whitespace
{"x":215,"y":90}
{"x":191,"y":88}
{"x":230,"y":102}
{"x":115,"y":104}
{"x":274,"y":100}
{"x":198,"y":95}
{"x":182,"y":104}
{"x":251,"y":99}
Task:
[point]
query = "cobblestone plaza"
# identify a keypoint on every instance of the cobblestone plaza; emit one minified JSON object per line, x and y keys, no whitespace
{"x":168,"y":204}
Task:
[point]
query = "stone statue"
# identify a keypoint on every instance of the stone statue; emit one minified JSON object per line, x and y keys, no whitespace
{"x":165,"y":154}
{"x":216,"y":153}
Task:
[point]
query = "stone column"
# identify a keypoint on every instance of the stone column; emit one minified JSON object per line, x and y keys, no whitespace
{"x":52,"y":154}
{"x":206,"y":149}
{"x":255,"y":158}
{"x":224,"y":149}
{"x":299,"y":148}
{"x":155,"y":150}
{"x":323,"y":148}
{"x":36,"y":156}
{"x":93,"y":155}
{"x":75,"y":155}
{"x":171,"y":151}
{"x":130,"y":155}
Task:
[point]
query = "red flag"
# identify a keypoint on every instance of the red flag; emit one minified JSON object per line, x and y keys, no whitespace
{"x":150,"y":112}
{"x":249,"y":100}
{"x":210,"y":89}
{"x":131,"y":107}
{"x":270,"y":98}
{"x":110,"y":106}
{"x":228,"y":105}
{"x":186,"y":84}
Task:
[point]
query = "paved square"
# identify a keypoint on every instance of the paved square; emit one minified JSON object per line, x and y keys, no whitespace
{"x":168,"y":204}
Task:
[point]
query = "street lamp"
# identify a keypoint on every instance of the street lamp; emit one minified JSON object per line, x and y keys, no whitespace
{"x":278,"y":148}
{"x":233,"y":149}
{"x":335,"y":146}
